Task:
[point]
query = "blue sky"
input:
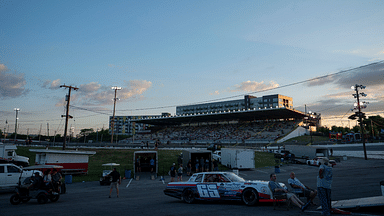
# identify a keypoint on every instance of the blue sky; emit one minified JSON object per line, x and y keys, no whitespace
{"x":169,"y":53}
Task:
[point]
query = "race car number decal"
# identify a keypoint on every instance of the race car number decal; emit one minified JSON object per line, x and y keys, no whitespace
{"x":208,"y":191}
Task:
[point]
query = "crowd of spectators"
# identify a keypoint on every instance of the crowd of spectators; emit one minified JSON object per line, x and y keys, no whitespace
{"x":239,"y":132}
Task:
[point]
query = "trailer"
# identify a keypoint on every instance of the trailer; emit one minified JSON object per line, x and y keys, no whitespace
{"x":196,"y":154}
{"x":8,"y":155}
{"x":238,"y":158}
{"x":303,"y":153}
{"x":141,"y":162}
{"x":73,"y":161}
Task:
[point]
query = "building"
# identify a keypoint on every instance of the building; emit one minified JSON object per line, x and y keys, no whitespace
{"x":123,"y":125}
{"x":248,"y":103}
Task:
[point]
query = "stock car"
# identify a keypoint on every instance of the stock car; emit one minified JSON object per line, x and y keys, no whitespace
{"x":317,"y":161}
{"x":220,"y":186}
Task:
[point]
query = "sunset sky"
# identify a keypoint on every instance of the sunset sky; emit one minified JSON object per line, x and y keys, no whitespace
{"x":170,"y":53}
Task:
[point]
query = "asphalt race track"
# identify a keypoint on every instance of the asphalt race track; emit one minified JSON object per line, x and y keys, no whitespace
{"x":354,"y":178}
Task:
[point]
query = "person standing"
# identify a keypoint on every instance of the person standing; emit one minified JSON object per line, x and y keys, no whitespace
{"x":324,"y":185}
{"x":137,"y":164}
{"x":202,"y":164}
{"x":197,"y":165}
{"x":116,"y":180}
{"x":206,"y":165}
{"x":180,"y":173}
{"x":172,"y":171}
{"x":152,"y":164}
{"x":189,"y":167}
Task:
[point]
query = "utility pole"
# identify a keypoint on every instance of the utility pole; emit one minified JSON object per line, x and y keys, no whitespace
{"x":68,"y":98}
{"x":17,"y":112}
{"x":114,"y":108}
{"x":360,"y":114}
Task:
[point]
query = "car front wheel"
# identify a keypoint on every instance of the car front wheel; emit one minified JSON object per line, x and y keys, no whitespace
{"x":250,"y":196}
{"x":188,"y":196}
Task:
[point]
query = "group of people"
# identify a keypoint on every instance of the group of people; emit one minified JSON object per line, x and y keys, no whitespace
{"x":324,"y":183}
{"x":51,"y":180}
{"x":173,"y":170}
{"x":201,"y":165}
{"x":138,"y":164}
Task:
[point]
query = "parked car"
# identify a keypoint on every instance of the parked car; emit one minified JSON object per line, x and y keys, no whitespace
{"x":220,"y":186}
{"x":217,"y":156}
{"x":317,"y":161}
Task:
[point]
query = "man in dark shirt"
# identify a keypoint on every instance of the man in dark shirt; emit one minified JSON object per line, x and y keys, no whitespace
{"x":116,"y":180}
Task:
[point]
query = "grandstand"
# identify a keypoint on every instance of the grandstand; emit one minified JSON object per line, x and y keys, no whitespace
{"x":252,"y":126}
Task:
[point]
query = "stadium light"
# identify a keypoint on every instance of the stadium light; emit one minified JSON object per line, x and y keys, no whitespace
{"x":17,"y":111}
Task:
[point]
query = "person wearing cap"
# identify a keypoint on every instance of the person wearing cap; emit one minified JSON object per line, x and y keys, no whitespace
{"x":324,"y":185}
{"x":173,"y":171}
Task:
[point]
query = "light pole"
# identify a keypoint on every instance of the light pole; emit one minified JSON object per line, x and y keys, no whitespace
{"x":360,"y":114}
{"x":114,"y":108}
{"x":17,"y":112}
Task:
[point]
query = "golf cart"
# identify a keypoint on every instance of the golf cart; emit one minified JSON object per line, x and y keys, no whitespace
{"x":105,"y":179}
{"x":27,"y":189}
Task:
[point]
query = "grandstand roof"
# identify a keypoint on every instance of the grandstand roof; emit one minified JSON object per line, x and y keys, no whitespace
{"x":247,"y":115}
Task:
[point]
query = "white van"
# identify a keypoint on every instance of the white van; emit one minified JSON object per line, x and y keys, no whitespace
{"x":10,"y":174}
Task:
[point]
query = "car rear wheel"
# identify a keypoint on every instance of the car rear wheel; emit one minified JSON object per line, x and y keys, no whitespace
{"x":15,"y":199}
{"x":250,"y":196}
{"x":188,"y":196}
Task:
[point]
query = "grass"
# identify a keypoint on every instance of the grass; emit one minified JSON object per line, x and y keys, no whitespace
{"x":264,"y":159}
{"x":124,"y":157}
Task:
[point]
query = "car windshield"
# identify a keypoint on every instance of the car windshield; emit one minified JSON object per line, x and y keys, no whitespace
{"x":234,"y":178}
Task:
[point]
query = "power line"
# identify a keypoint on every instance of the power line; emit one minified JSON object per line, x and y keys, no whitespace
{"x":260,"y":91}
